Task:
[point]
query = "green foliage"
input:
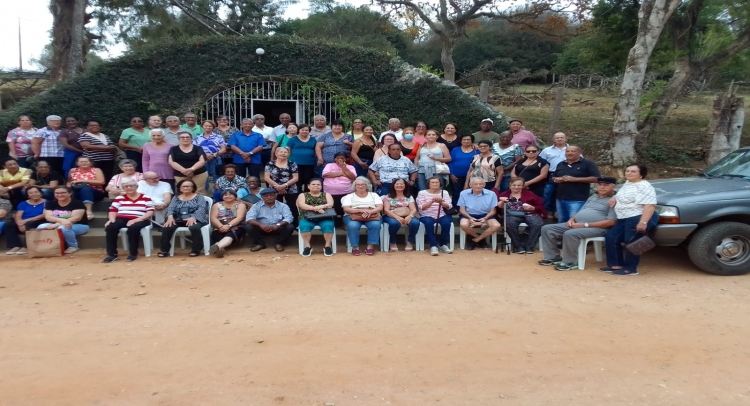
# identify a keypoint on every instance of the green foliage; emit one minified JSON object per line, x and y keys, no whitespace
{"x":177,"y":77}
{"x":429,"y":69}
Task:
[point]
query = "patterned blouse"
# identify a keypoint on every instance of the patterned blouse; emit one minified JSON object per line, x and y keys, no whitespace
{"x":235,"y":184}
{"x":210,"y":145}
{"x":89,"y":175}
{"x":484,"y":167}
{"x":22,"y":140}
{"x":331,"y":146}
{"x":319,"y":200}
{"x":396,"y":202}
{"x":283,"y":175}
{"x":227,"y":214}
{"x":197,"y":205}
{"x":507,"y":155}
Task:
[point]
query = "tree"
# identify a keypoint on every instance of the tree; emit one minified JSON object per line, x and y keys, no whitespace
{"x":70,"y":40}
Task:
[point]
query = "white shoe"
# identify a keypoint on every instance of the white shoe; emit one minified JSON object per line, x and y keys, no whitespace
{"x":445,"y":250}
{"x":434,"y":251}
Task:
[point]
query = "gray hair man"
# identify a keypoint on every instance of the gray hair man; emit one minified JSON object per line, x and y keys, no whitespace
{"x":173,"y":127}
{"x":191,"y":124}
{"x":394,"y":127}
{"x":593,"y":220}
{"x":477,"y":208}
{"x":319,"y":126}
{"x":280,"y":129}
{"x":159,"y":192}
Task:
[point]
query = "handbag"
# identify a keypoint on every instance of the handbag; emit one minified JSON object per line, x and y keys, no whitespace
{"x":442,"y":168}
{"x":448,"y":212}
{"x":328,"y":214}
{"x":358,"y":216}
{"x":185,"y":214}
{"x":514,"y":213}
{"x":641,"y":245}
{"x":45,"y":243}
{"x":401,"y":211}
{"x":79,"y":186}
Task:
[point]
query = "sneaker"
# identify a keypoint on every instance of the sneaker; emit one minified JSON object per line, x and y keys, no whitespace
{"x":307,"y":251}
{"x":72,"y":250}
{"x":520,"y":251}
{"x":131,"y":258}
{"x":434,"y":251}
{"x":550,"y":262}
{"x":22,"y":251}
{"x":328,"y":251}
{"x":624,"y":272}
{"x":107,"y":260}
{"x":445,"y":250}
{"x":470,"y":245}
{"x":13,"y":251}
{"x":567,"y":267}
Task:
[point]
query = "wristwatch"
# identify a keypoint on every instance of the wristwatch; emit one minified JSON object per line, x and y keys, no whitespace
{"x":586,"y":225}
{"x":278,"y":224}
{"x":251,"y":153}
{"x":642,"y":222}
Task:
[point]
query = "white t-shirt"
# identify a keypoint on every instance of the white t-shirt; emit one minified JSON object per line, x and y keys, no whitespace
{"x":357,"y":202}
{"x":156,"y":193}
{"x":399,"y":135}
{"x":268,"y":135}
{"x":632,"y":196}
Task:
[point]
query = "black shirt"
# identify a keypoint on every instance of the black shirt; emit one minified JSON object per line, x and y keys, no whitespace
{"x":583,"y":168}
{"x":530,"y":172}
{"x":186,"y":160}
{"x":65,"y":212}
{"x":45,"y":180}
{"x":452,"y":144}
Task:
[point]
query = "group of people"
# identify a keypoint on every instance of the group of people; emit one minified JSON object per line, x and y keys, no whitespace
{"x":315,"y":176}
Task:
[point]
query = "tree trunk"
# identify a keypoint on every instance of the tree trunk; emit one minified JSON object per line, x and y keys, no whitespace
{"x":652,"y":17}
{"x":446,"y":57}
{"x":67,"y":23}
{"x":725,"y":130}
{"x":660,"y":107}
{"x":77,"y":31}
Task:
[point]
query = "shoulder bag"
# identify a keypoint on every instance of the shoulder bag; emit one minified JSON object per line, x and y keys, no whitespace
{"x":358,"y":216}
{"x":442,"y":168}
{"x":328,"y":214}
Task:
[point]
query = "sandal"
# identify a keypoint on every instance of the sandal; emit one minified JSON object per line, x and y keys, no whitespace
{"x":356,"y":252}
{"x":90,"y":215}
{"x":408,"y":247}
{"x":194,"y":254}
{"x":393,"y":247}
{"x":370,"y":251}
{"x":162,"y":254}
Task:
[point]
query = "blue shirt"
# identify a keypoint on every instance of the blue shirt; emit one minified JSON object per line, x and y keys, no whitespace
{"x":303,"y":152}
{"x":474,"y":204}
{"x":331,"y":146}
{"x":210,"y":145}
{"x":269,"y":215}
{"x":460,"y":161}
{"x":30,"y":211}
{"x":246,"y":143}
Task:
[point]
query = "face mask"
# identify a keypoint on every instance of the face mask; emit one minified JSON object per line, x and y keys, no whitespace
{"x":408,"y":137}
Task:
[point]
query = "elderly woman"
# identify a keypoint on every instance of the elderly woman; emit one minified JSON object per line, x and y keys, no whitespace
{"x":87,"y":183}
{"x":156,"y":156}
{"x":387,"y":140}
{"x":13,"y":179}
{"x":45,"y":179}
{"x":509,"y":154}
{"x":522,"y":206}
{"x":99,"y":149}
{"x":533,"y":169}
{"x":214,"y":146}
{"x":251,"y":194}
{"x":337,"y":180}
{"x":46,"y":144}
{"x":363,"y":150}
{"x":188,"y":162}
{"x":400,"y":210}
{"x":319,"y":126}
{"x":133,"y":138}
{"x":187,"y":209}
{"x":131,"y":210}
{"x":29,"y":214}
{"x":433,"y":203}
{"x":485,"y":165}
{"x":228,"y":218}
{"x":331,"y":143}
{"x":420,"y":132}
{"x":315,"y":201}
{"x":362,"y":207}
{"x":283,"y":175}
{"x":431,"y":153}
{"x":68,"y":138}
{"x":635,"y":207}
{"x":19,"y":141}
{"x":68,"y":215}
{"x":114,"y":187}
{"x":230,"y":181}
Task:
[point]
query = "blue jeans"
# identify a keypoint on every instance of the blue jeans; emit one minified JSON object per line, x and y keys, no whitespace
{"x":69,"y":161}
{"x":445,"y":230}
{"x":394,"y":226}
{"x":624,"y":232}
{"x":87,"y":194}
{"x":212,"y":167}
{"x":352,"y":231}
{"x":549,"y":196}
{"x":384,"y":188}
{"x":567,"y":209}
{"x":505,"y":183}
{"x":69,"y":234}
{"x":360,"y":170}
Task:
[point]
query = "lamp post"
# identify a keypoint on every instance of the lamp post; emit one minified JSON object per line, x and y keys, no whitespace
{"x":260,"y":52}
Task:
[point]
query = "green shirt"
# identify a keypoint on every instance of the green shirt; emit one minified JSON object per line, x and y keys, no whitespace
{"x":492,"y":136}
{"x":197,"y":130}
{"x":135,"y":138}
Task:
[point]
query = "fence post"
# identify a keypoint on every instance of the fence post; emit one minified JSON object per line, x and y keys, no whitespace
{"x":484,"y":90}
{"x":556,"y":112}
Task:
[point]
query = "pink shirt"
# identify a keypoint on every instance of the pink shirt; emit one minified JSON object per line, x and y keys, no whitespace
{"x":523,"y":138}
{"x":424,"y":196}
{"x":340,"y":185}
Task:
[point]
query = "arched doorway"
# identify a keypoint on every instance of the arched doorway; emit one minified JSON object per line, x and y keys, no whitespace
{"x":270,"y":98}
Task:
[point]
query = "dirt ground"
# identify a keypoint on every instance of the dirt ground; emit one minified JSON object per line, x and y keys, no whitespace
{"x":472,"y":328}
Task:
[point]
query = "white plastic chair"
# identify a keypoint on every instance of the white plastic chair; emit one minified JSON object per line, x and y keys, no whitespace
{"x":598,"y":244}
{"x":462,"y":239}
{"x":421,"y":237}
{"x":302,"y":242}
{"x":349,"y":244}
{"x":385,"y":237}
{"x":145,"y":235}
{"x":205,"y":232}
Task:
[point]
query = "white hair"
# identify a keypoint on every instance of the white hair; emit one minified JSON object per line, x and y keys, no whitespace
{"x":473,"y":178}
{"x":394,"y":120}
{"x":259,"y":116}
{"x":362,"y":179}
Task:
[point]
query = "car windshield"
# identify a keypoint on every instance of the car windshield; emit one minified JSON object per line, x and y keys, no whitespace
{"x":734,"y":165}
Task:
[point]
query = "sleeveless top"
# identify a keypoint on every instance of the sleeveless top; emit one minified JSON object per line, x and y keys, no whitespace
{"x":366,"y":152}
{"x":427,"y":164}
{"x":227,"y":214}
{"x":313,"y":201}
{"x":78,"y":174}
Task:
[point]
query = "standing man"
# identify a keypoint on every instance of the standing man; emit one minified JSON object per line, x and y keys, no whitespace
{"x":259,"y":120}
{"x":391,"y":167}
{"x":247,"y":146}
{"x":520,"y":136}
{"x":269,"y":217}
{"x":394,"y":127}
{"x":191,"y":124}
{"x":280,"y":129}
{"x":486,"y":133}
{"x":554,"y":155}
{"x":46,"y":146}
{"x":170,"y":133}
{"x":319,"y":126}
{"x":573,"y":177}
{"x":477,"y":207}
{"x":593,"y":220}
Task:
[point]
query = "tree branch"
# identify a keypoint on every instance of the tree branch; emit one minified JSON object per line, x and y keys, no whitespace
{"x":418,"y":10}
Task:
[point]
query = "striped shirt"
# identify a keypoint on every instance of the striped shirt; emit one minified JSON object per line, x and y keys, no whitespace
{"x":128,"y":208}
{"x":50,"y":147}
{"x":99,"y":140}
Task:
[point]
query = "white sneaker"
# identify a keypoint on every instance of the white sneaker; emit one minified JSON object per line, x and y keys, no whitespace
{"x":434,"y":251}
{"x":445,"y":250}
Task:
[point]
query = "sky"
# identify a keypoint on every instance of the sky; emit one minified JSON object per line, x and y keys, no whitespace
{"x":36,"y":22}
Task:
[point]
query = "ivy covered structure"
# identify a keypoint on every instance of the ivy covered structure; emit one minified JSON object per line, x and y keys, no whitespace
{"x":181,"y":76}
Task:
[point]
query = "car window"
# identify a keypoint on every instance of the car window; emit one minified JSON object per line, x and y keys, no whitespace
{"x":736,"y":164}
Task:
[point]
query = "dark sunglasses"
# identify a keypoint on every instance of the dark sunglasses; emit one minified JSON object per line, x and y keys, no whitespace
{"x":532,"y":150}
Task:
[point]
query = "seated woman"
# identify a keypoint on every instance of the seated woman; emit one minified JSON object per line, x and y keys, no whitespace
{"x":66,"y":214}
{"x":337,"y":180}
{"x":251,"y":194}
{"x":131,"y":210}
{"x":87,"y":183}
{"x":400,"y":210}
{"x":523,"y":206}
{"x":229,"y":181}
{"x":29,"y":214}
{"x":635,"y":207}
{"x":45,"y":179}
{"x":433,"y":203}
{"x":228,"y":218}
{"x":362,"y":207}
{"x":12,"y":181}
{"x":127,"y":166}
{"x":187,"y":209}
{"x":315,"y":201}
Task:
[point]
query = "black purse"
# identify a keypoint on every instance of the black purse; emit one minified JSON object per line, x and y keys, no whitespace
{"x":328,"y":214}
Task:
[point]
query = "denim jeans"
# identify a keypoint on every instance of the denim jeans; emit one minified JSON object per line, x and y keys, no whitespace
{"x":445,"y":230}
{"x":549,"y":195}
{"x":360,"y":170}
{"x":623,"y":232}
{"x":352,"y":231}
{"x":384,"y":188}
{"x":212,"y":167}
{"x":394,"y":226}
{"x":69,"y":234}
{"x":567,"y":209}
{"x":87,"y":194}
{"x":505,"y":183}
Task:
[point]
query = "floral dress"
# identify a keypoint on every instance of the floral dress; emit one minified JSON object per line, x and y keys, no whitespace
{"x":90,"y":175}
{"x":398,"y":202}
{"x":22,"y":141}
{"x":283,"y":175}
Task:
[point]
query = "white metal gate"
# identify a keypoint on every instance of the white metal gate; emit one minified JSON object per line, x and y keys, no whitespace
{"x":237,"y":102}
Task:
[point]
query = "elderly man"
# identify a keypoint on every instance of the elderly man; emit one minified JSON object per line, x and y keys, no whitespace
{"x":477,"y":209}
{"x":247,"y":145}
{"x":573,"y":177}
{"x":191,"y":124}
{"x":159,"y":192}
{"x":554,"y":154}
{"x":280,"y":129}
{"x":46,"y":146}
{"x":593,"y":220}
{"x":319,"y":126}
{"x":485,"y":132}
{"x":259,"y":122}
{"x":394,"y":127}
{"x":269,"y":217}
{"x":391,"y":167}
{"x":170,"y":133}
{"x":521,"y":137}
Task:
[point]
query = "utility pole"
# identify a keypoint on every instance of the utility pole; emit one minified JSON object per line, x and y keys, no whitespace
{"x":20,"y":54}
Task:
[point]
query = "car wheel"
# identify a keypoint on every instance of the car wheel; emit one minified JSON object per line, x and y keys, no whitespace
{"x":722,"y":248}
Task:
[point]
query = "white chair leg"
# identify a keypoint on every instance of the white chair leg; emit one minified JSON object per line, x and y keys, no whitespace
{"x":461,"y":239}
{"x":598,"y":245}
{"x":582,"y":254}
{"x":385,"y":238}
{"x":206,"y":233}
{"x":419,"y":245}
{"x":453,"y":237}
{"x":171,"y":245}
{"x":333,"y":242}
{"x":147,"y":242}
{"x":300,"y":242}
{"x":124,"y":238}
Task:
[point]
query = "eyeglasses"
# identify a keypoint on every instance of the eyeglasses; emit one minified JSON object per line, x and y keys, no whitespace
{"x":186,"y":138}
{"x":360,"y":184}
{"x":151,"y":178}
{"x":136,"y":121}
{"x":531,"y":151}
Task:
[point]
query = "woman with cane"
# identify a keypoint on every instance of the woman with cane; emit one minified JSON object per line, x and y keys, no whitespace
{"x":433,"y":204}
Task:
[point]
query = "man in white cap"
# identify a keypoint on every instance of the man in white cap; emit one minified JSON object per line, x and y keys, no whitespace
{"x":46,"y":146}
{"x":485,"y":132}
